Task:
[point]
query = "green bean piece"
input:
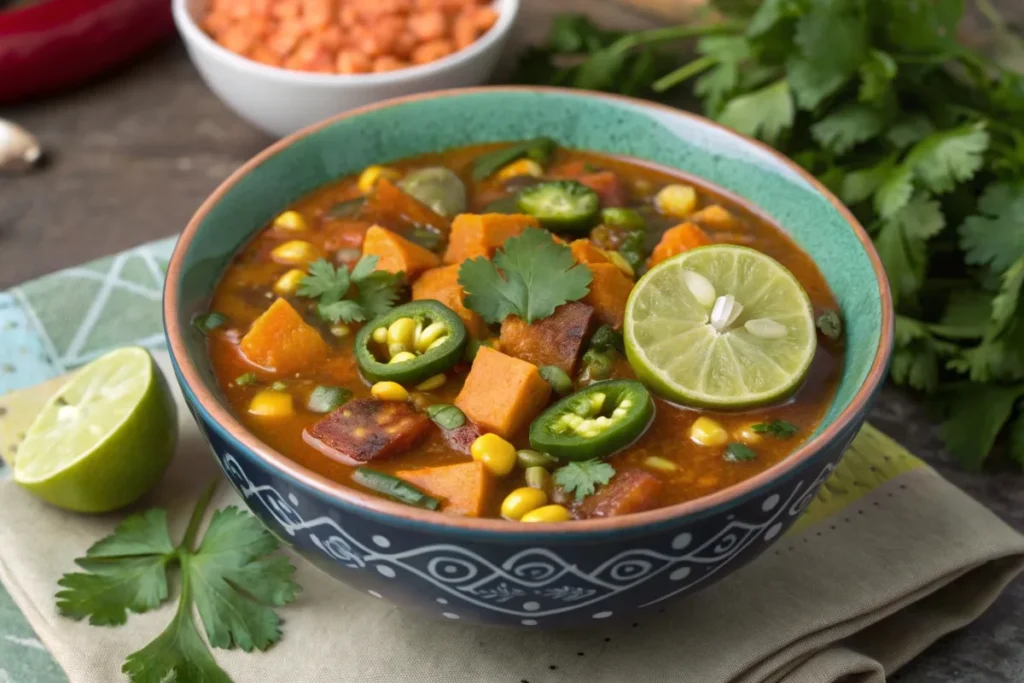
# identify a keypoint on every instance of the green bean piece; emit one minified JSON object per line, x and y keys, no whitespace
{"x":324,"y":399}
{"x":394,"y":488}
{"x":208,"y":322}
{"x":529,"y":458}
{"x":538,"y":478}
{"x":560,"y":382}
{"x":446,"y":416}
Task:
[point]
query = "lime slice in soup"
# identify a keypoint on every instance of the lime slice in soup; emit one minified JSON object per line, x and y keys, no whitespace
{"x":721,"y":326}
{"x":104,"y":438}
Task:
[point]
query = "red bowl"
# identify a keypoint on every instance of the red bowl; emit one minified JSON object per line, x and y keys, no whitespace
{"x":59,"y":43}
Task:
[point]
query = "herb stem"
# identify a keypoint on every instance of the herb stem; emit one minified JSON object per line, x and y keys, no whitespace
{"x":196,"y":519}
{"x":684,"y":73}
{"x":670,"y":33}
{"x":992,"y":14}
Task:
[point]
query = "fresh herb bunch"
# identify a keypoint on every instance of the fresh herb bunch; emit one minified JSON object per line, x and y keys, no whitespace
{"x":232,"y":578}
{"x":921,"y":136}
{"x":376,"y":290}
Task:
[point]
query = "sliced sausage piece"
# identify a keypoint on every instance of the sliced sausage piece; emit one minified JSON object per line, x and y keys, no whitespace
{"x":556,"y":340}
{"x":462,"y":438}
{"x":608,"y":187}
{"x":628,"y":492}
{"x":367,"y":429}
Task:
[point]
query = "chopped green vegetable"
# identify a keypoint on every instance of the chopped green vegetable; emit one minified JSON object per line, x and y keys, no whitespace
{"x":605,"y":337}
{"x":624,"y":219}
{"x":529,"y":277}
{"x":583,"y":477}
{"x":508,"y":205}
{"x":426,"y":237}
{"x":597,"y":365}
{"x":278,"y":386}
{"x":561,"y":205}
{"x":208,"y":322}
{"x":347,"y":208}
{"x":538,"y":149}
{"x":376,"y":290}
{"x":394,"y":488}
{"x":830,"y":324}
{"x":245,"y":379}
{"x":737,"y":452}
{"x":560,"y":382}
{"x":446,"y":416}
{"x":324,"y":399}
{"x":233,"y":580}
{"x":780,"y":429}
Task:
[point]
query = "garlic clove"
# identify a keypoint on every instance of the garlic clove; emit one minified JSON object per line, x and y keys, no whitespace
{"x":19,"y":150}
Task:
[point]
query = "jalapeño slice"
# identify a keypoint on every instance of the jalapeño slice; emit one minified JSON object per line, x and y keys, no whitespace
{"x":561,"y":205}
{"x":594,"y":422}
{"x":419,"y":360}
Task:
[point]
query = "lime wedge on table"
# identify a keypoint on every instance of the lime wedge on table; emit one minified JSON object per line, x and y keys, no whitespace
{"x":104,"y":438}
{"x":685,"y":341}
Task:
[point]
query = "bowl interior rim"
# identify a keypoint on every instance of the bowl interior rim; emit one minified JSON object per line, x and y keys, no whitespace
{"x":394,"y":512}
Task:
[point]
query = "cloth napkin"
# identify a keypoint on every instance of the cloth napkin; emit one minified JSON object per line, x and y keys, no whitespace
{"x":887,"y":559}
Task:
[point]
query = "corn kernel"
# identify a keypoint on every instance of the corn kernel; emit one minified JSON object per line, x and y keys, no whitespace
{"x":296,"y":253}
{"x":620,"y":262}
{"x":497,"y":455}
{"x":748,"y":436}
{"x":402,"y":332}
{"x":402,"y":357}
{"x":656,"y":462}
{"x":292,"y":221}
{"x":430,"y":334}
{"x":389,"y":391}
{"x":521,"y":167}
{"x":380,"y":335}
{"x":341,"y":330}
{"x":371,"y":174}
{"x":270,"y":403}
{"x":432,"y":383}
{"x":678,"y":201}
{"x":289,"y":282}
{"x":521,"y":501}
{"x":548,"y":513}
{"x":706,"y":432}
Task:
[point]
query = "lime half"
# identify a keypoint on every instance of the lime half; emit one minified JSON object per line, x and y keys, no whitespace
{"x":104,"y":438}
{"x":721,"y":326}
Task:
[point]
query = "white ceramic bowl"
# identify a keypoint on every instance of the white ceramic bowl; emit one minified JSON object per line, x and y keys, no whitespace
{"x":282,"y":101}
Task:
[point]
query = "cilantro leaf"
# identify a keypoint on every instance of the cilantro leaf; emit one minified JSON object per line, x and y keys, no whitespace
{"x":895,"y":191}
{"x":365,"y":267}
{"x":530,"y":277}
{"x":832,"y":36}
{"x":764,"y":113}
{"x":582,"y":478}
{"x":324,"y":281}
{"x":177,"y":654}
{"x":847,"y":128}
{"x":738,"y":452}
{"x":975,"y":414}
{"x":341,"y":311}
{"x":996,"y":236}
{"x":378,"y":292}
{"x":771,"y":13}
{"x":780,"y":429}
{"x":943,"y":160}
{"x":1006,"y":302}
{"x":902,"y":244}
{"x":915,"y":360}
{"x":1016,"y":430}
{"x":909,"y":130}
{"x":876,"y":76}
{"x":923,"y":25}
{"x":860,"y":184}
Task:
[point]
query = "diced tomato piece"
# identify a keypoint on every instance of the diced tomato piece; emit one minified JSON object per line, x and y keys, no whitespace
{"x":367,"y":429}
{"x":629,"y":491}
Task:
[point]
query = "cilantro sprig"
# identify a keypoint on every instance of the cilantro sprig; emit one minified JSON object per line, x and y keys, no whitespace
{"x":530,"y":276}
{"x":582,"y":478}
{"x":375,"y":290}
{"x":232,"y":578}
{"x":919,"y":134}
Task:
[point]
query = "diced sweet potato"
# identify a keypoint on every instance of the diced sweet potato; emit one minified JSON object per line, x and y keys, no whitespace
{"x":461,"y":438}
{"x":396,"y":254}
{"x":569,"y":170}
{"x":442,"y":284}
{"x":388,"y":205}
{"x":463,"y":488}
{"x":555,"y":340}
{"x":629,"y":491}
{"x":482,"y":234}
{"x":677,"y":240}
{"x":715,"y":217}
{"x":585,"y":251}
{"x":280,"y":340}
{"x":367,"y":429}
{"x":608,"y":187}
{"x":502,"y":393}
{"x":608,"y":293}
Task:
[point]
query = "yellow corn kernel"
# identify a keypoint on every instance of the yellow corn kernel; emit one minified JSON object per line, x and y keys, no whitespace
{"x":432,"y":383}
{"x":521,"y":167}
{"x":678,"y":201}
{"x":402,"y":357}
{"x":748,"y":436}
{"x":371,"y":174}
{"x":270,"y":403}
{"x":620,"y":262}
{"x":292,"y":221}
{"x":521,"y":501}
{"x":296,"y":253}
{"x":380,"y":335}
{"x":402,"y":332}
{"x":289,"y":282}
{"x":497,"y":455}
{"x":389,"y":391}
{"x":430,"y":334}
{"x":548,"y":513}
{"x":341,"y":330}
{"x":656,"y":462}
{"x":706,"y":432}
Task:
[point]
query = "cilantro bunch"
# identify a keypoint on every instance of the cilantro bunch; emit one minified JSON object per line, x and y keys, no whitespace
{"x":375,"y":291}
{"x":922,"y":137}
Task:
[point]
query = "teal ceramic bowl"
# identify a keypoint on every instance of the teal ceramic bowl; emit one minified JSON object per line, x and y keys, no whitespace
{"x":489,"y":570}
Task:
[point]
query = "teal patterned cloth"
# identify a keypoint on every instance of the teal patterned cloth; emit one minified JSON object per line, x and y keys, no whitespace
{"x":55,"y":324}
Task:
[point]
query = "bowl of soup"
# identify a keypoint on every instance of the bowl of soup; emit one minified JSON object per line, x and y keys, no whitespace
{"x":526,"y":357}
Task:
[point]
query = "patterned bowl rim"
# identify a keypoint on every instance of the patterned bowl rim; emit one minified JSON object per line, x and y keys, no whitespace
{"x":222,"y":417}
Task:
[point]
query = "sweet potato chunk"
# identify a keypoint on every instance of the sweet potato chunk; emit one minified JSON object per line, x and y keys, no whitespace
{"x":555,"y":340}
{"x":608,"y":293}
{"x":585,"y":251}
{"x":367,"y":429}
{"x":629,"y":491}
{"x":715,"y":217}
{"x":502,"y":393}
{"x":608,"y":187}
{"x":463,"y":488}
{"x":481,"y":234}
{"x":282,"y":341}
{"x":396,"y":254}
{"x":442,"y":284}
{"x":677,"y":240}
{"x":397,"y":210}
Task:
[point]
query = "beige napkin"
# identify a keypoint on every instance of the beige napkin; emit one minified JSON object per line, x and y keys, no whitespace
{"x":860,"y":586}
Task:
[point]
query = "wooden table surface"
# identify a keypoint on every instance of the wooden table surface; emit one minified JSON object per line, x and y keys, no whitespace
{"x":135,"y":154}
